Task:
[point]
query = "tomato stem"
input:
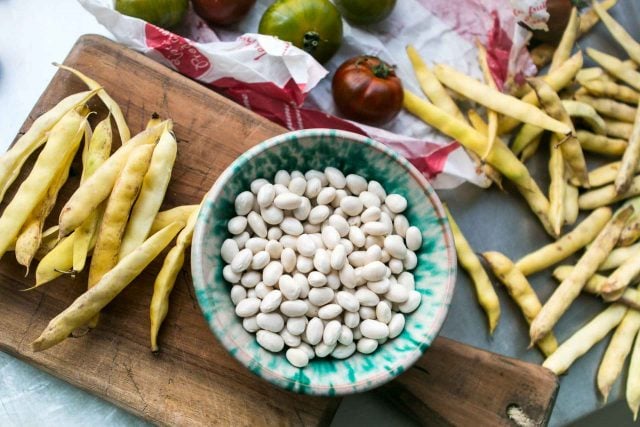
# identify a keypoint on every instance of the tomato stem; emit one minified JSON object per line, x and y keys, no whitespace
{"x":310,"y":41}
{"x":381,"y":70}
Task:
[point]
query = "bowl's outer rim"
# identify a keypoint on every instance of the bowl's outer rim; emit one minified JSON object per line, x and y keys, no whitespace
{"x":274,"y":377}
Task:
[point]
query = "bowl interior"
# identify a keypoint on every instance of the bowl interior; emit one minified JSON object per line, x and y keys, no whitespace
{"x":434,"y":275}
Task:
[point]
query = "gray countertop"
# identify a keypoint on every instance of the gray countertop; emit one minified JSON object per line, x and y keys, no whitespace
{"x":35,"y":33}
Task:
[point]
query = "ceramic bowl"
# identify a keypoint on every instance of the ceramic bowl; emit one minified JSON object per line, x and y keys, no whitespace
{"x":434,"y":275}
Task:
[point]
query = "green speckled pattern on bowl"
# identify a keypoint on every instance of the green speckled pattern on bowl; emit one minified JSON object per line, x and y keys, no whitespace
{"x":351,"y":153}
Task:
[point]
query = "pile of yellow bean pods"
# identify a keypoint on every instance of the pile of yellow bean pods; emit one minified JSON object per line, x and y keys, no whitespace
{"x":112,"y":216}
{"x":603,"y":101}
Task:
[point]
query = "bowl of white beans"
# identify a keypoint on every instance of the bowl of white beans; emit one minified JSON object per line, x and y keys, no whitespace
{"x":323,"y":262}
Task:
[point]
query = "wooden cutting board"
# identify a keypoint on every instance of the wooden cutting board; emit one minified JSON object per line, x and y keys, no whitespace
{"x":193,"y":380}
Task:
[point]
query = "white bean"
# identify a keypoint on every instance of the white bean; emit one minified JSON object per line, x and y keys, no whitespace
{"x":289,"y":339}
{"x":396,"y":203}
{"x":343,"y":351}
{"x":291,"y":226}
{"x":414,"y":238}
{"x":329,"y":311}
{"x":229,"y":250}
{"x":306,"y":245}
{"x":326,"y":196}
{"x":346,"y":336}
{"x":238,"y":293}
{"x":340,"y":224}
{"x":375,"y":228}
{"x":374,"y":329}
{"x":289,"y":287}
{"x":376,"y":188}
{"x":297,"y":357}
{"x":312,"y":310}
{"x":340,"y":194}
{"x":323,"y":350}
{"x":257,"y":184}
{"x":366,"y":313}
{"x":271,"y":301}
{"x":322,"y":261}
{"x":272,"y":215}
{"x":257,"y":224}
{"x":336,"y":177}
{"x":356,"y":184}
{"x":241,"y":239}
{"x":280,"y":189}
{"x":287,"y":201}
{"x":293,"y":308}
{"x":410,"y":261}
{"x":396,"y":266}
{"x":274,"y":249}
{"x":271,"y":273}
{"x":383,"y":312}
{"x":412,"y":302}
{"x":333,"y":280}
{"x":356,"y":236}
{"x":274,"y":233}
{"x":244,"y":203}
{"x":396,"y":325}
{"x":338,"y":257}
{"x":282,"y":177}
{"x":330,"y":236}
{"x":331,"y":332}
{"x":348,"y":276}
{"x":349,"y":302}
{"x":374,"y":271}
{"x":304,"y":264}
{"x":351,"y":320}
{"x":373,"y":253}
{"x":314,"y":331}
{"x":270,"y":321}
{"x":250,"y":324}
{"x":229,"y":275}
{"x":370,"y":214}
{"x":401,"y":225}
{"x":241,"y":261}
{"x":256,"y":244}
{"x":260,"y":260}
{"x":321,"y":296}
{"x":367,"y":297}
{"x":296,"y":325}
{"x":237,"y":225}
{"x":351,"y":205}
{"x":298,"y":185}
{"x":288,"y":260}
{"x":348,"y":246}
{"x":269,"y":341}
{"x":367,"y":345}
{"x":407,"y":280}
{"x":357,"y":258}
{"x":397,"y":294}
{"x":301,"y":213}
{"x":250,"y":279}
{"x":379,"y":287}
{"x":369,"y":200}
{"x":311,"y":228}
{"x":307,"y":349}
{"x":289,"y":241}
{"x":394,"y":245}
{"x":248,"y":307}
{"x":313,"y":187}
{"x":317,"y":279}
{"x":266,"y":194}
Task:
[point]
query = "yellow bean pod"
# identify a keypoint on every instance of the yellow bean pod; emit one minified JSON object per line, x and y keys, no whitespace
{"x":98,"y":186}
{"x":89,"y":304}
{"x":152,"y":192}
{"x":166,"y":278}
{"x":616,"y":67}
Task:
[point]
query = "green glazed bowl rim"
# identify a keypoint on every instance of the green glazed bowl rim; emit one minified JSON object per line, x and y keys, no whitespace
{"x":246,"y":358}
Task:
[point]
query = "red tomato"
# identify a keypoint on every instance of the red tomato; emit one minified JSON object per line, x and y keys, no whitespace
{"x":222,"y":12}
{"x":367,"y":90}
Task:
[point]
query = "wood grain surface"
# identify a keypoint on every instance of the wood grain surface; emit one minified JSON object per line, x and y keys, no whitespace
{"x":193,"y":380}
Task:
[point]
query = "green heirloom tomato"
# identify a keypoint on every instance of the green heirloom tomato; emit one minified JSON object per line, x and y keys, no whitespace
{"x":163,"y":13}
{"x":365,"y":11}
{"x":312,"y":25}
